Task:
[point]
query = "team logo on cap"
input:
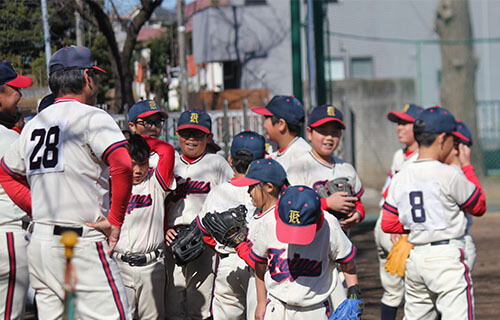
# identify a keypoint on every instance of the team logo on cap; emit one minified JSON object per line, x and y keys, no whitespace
{"x":330,"y":111}
{"x":194,"y":118}
{"x":406,"y":107}
{"x":152,"y":105}
{"x":294,"y":217}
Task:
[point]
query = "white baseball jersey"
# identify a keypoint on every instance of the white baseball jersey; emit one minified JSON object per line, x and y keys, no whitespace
{"x":10,"y":211}
{"x":309,"y":171}
{"x":223,"y":197}
{"x":145,"y":211}
{"x":289,"y":155}
{"x":63,"y":152}
{"x":194,"y":182}
{"x":428,"y":196}
{"x":302,"y":275}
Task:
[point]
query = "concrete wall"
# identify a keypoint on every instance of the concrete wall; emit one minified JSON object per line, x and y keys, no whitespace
{"x":374,"y":136}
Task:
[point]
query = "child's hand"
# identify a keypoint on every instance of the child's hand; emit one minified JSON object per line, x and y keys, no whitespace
{"x":463,"y":154}
{"x":341,"y":202}
{"x":170,"y":236}
{"x":353,"y":219}
{"x":260,"y":311}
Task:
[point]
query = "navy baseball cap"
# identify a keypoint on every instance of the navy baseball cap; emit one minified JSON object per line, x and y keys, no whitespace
{"x":73,"y":57}
{"x":249,"y":141}
{"x":297,"y":215}
{"x":408,"y":114}
{"x":463,"y":133}
{"x":286,"y":107}
{"x":195,"y":119}
{"x":437,"y":120}
{"x":262,"y":170}
{"x":9,"y":76}
{"x":143,"y":109}
{"x":326,"y":113}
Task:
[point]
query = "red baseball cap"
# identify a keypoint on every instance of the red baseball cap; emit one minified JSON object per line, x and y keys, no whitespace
{"x":9,"y":77}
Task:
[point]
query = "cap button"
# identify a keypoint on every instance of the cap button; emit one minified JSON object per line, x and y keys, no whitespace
{"x":301,"y":189}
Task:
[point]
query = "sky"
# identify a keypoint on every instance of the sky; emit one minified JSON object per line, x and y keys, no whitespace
{"x":125,"y":6}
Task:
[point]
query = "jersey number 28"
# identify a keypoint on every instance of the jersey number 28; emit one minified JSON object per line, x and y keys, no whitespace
{"x":45,"y":151}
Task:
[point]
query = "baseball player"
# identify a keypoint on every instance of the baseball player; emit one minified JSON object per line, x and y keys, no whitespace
{"x":140,"y":254}
{"x":189,"y":288}
{"x":426,"y":199}
{"x":284,"y":118}
{"x":13,"y":256}
{"x":393,"y":285}
{"x":231,"y":272}
{"x":66,"y":154}
{"x":299,"y":245}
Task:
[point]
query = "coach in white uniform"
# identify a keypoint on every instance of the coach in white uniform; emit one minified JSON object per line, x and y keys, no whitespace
{"x":66,"y":154}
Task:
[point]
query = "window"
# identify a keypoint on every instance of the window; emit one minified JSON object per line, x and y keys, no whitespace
{"x":362,"y":68}
{"x":334,"y":69}
{"x":232,"y":74}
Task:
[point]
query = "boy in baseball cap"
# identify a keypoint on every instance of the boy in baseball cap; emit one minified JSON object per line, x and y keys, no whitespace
{"x":284,"y":116}
{"x":295,"y":254}
{"x":10,"y":94}
{"x":427,"y":199}
{"x":146,"y":118}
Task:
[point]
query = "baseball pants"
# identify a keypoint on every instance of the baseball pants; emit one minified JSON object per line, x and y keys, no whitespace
{"x":189,"y":287}
{"x":470,"y":251}
{"x":277,"y":310}
{"x":251,"y":296}
{"x":438,"y":281}
{"x":14,"y":276}
{"x":99,"y":289}
{"x":145,"y":288}
{"x":393,"y":285}
{"x":230,"y":287}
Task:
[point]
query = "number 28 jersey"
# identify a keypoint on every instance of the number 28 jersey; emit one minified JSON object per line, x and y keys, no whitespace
{"x":429,"y":196}
{"x":63,"y":153}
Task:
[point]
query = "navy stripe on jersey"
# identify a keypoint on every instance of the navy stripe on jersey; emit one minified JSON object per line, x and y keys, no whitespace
{"x":112,"y":148}
{"x":162,"y":182}
{"x":349,"y":257}
{"x":472,"y":199}
{"x":256,"y":258}
{"x":390,"y":208}
{"x":10,"y":172}
{"x":360,"y":193}
{"x":111,"y":280}
{"x":470,"y":311}
{"x":201,"y":227}
{"x":12,"y":275}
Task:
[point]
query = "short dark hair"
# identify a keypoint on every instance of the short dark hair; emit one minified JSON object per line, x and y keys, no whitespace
{"x":423,"y":138}
{"x":295,"y":129}
{"x":69,"y":81}
{"x":138,"y":148}
{"x":241,"y":160}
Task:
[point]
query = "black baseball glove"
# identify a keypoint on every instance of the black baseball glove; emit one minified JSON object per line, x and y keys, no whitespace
{"x":188,"y":244}
{"x":335,"y":185}
{"x":229,"y":227}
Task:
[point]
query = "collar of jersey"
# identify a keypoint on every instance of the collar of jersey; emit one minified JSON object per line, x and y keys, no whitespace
{"x":409,"y":153}
{"x":262,"y":214}
{"x":281,"y":151}
{"x":66,"y":99}
{"x":191,"y":161}
{"x":321,"y":163}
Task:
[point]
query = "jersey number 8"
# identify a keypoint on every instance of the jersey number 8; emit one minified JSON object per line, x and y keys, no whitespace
{"x":49,"y":140}
{"x":417,"y":206}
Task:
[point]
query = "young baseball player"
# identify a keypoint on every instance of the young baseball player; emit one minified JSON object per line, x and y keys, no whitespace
{"x":295,"y":252}
{"x":426,"y":199}
{"x":393,"y":285}
{"x":139,"y":253}
{"x":284,"y":118}
{"x":13,"y":247}
{"x":316,"y":167}
{"x":232,"y":273}
{"x":146,"y":118}
{"x":189,"y":288}
{"x":66,"y":154}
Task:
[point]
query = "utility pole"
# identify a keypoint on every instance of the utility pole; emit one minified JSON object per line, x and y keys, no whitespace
{"x":296,"y":50}
{"x":311,"y":58}
{"x":181,"y":31}
{"x":79,"y":26}
{"x":46,"y":34}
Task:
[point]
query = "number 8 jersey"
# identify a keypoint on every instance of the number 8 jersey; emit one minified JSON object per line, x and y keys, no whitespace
{"x":428,"y":197}
{"x":63,"y":154}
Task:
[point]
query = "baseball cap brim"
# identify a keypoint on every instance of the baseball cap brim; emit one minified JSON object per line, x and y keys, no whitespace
{"x":150,"y":113}
{"x":262,"y":110}
{"x":20,"y":82}
{"x":395,"y":116}
{"x":325,"y":120}
{"x":244,"y":182}
{"x":193,"y":126}
{"x":99,"y":69}
{"x":460,"y":136}
{"x":302,"y":235}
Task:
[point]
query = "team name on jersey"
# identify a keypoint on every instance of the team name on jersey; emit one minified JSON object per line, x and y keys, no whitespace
{"x":139,"y":201}
{"x":190,"y":187}
{"x":284,"y":268}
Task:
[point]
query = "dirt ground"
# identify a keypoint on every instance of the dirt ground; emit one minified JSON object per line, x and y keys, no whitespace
{"x":485,"y":276}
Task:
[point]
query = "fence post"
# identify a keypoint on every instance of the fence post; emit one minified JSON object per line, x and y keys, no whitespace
{"x":205,"y":106}
{"x":225,"y":128}
{"x":245,"y":115}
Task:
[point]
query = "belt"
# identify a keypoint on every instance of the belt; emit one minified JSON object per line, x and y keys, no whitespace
{"x":438,"y":243}
{"x":138,"y":260}
{"x":59,"y":230}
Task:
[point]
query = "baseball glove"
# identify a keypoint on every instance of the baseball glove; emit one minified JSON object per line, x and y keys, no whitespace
{"x":188,"y":244}
{"x":229,"y":227}
{"x":396,"y":260}
{"x":335,"y":185}
{"x":352,"y":307}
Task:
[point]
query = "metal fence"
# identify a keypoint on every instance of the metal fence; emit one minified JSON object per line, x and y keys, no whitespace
{"x":488,"y":115}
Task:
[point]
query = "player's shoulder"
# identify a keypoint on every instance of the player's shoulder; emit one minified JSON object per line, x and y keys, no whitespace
{"x":340,"y":163}
{"x":302,"y":161}
{"x":8,"y":135}
{"x":301,"y":144}
{"x":213,"y":158}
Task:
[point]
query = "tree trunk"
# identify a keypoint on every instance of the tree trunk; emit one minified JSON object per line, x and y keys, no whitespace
{"x":458,"y":68}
